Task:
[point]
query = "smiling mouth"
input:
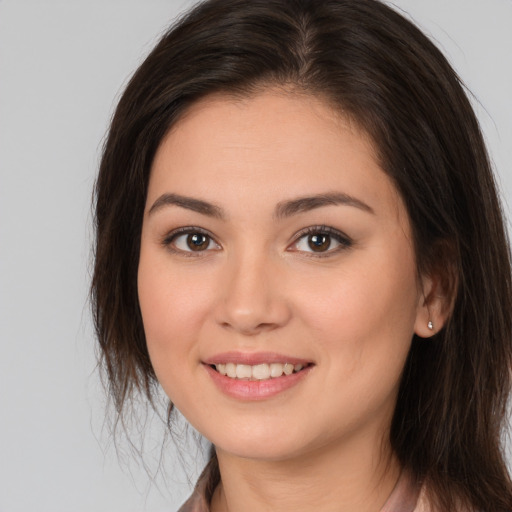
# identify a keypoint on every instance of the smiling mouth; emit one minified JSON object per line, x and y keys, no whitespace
{"x":259,"y":371}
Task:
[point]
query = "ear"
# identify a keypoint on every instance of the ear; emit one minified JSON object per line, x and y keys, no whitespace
{"x":435,"y":303}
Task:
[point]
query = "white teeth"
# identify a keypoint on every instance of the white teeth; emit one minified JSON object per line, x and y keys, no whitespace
{"x":231,"y":370}
{"x":276,"y":370}
{"x":257,"y":372}
{"x":288,"y":369}
{"x":261,"y":371}
{"x":243,"y":371}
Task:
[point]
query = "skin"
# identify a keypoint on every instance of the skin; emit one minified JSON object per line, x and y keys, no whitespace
{"x":257,"y":286}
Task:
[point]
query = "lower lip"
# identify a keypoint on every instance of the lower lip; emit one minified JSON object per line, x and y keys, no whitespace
{"x":255,"y":389}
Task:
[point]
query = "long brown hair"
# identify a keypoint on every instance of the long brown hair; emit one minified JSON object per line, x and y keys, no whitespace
{"x":380,"y":70}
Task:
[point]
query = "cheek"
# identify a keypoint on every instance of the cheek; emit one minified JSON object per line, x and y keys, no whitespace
{"x":364,"y":313}
{"x":363,"y":326}
{"x":173,"y":306}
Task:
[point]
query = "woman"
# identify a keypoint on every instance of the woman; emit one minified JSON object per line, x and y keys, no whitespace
{"x":299,"y":238}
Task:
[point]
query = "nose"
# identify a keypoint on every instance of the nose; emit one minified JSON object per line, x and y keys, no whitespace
{"x":253,"y":298}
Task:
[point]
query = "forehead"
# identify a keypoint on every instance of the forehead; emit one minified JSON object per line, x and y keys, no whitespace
{"x":274,"y":143}
{"x":289,"y":113}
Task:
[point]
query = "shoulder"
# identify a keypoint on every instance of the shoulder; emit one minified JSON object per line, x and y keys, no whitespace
{"x":410,"y":495}
{"x":425,"y":505}
{"x":196,"y":503}
{"x":200,"y":498}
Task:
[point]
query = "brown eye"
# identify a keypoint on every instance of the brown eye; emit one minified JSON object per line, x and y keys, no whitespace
{"x":319,"y":242}
{"x":322,"y":241}
{"x":190,"y":240}
{"x":198,"y":241}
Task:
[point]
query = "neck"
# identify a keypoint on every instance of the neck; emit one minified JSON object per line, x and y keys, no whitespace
{"x":355,"y":477}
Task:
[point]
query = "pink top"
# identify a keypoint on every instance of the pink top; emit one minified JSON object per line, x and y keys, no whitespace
{"x":407,"y":496}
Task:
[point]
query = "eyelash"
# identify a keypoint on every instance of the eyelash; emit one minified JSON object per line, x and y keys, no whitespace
{"x":188,"y":230}
{"x":344,"y":241}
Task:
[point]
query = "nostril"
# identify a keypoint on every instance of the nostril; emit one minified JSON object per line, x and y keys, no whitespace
{"x":248,"y":328}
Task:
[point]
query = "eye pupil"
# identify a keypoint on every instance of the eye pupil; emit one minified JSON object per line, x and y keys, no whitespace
{"x":319,"y":242}
{"x":197,"y":241}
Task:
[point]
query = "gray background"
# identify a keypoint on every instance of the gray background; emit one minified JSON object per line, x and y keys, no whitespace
{"x":62,"y":65}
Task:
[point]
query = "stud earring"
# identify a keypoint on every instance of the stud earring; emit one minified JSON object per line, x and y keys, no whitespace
{"x":430,"y":325}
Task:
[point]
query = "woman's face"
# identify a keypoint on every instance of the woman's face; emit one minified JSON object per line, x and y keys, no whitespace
{"x":273,"y":243}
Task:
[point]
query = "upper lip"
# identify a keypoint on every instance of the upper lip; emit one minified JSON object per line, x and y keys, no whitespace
{"x":254,"y":358}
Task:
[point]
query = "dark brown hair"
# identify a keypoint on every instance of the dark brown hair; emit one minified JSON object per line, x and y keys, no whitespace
{"x":376,"y":67}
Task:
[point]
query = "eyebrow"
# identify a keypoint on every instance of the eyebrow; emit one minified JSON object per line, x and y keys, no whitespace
{"x":283,"y":209}
{"x":304,"y":204}
{"x":189,"y":203}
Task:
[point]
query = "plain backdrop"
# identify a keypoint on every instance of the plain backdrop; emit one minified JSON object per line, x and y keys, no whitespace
{"x":62,"y":66}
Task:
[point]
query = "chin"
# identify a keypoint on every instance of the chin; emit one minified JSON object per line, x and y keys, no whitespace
{"x":255,"y":451}
{"x":271,"y":444}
